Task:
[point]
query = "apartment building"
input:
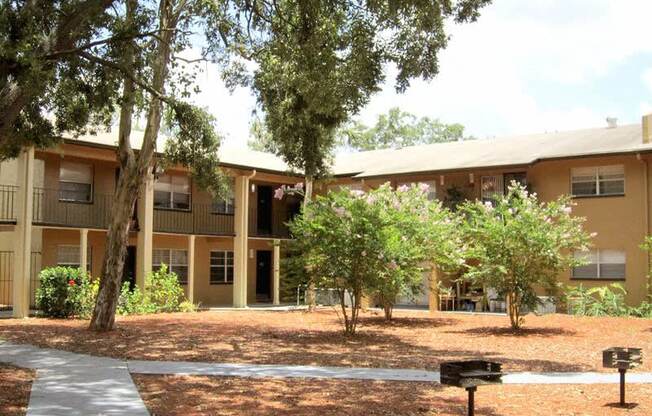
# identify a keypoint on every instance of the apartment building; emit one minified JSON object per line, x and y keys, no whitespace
{"x":55,"y":206}
{"x":226,"y":252}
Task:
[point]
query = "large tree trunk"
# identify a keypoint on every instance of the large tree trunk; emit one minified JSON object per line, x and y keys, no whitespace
{"x":311,"y":295}
{"x":132,"y":174}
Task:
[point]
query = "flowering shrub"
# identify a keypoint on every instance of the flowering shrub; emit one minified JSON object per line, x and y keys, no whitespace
{"x":66,"y":292}
{"x":518,"y":244}
{"x":373,"y":243}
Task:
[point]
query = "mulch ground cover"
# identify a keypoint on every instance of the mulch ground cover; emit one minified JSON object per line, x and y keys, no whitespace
{"x":15,"y":386}
{"x":198,"y":395}
{"x":415,"y":339}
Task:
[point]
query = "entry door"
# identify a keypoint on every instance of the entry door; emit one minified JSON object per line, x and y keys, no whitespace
{"x":129,"y":271}
{"x":264,"y":210}
{"x":263,"y":273}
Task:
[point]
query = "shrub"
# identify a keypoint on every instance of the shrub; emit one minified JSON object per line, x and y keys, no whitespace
{"x":66,"y":292}
{"x":603,"y":301}
{"x":163,"y":293}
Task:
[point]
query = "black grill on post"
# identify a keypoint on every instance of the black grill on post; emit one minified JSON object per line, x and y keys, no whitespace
{"x":469,"y":375}
{"x":623,"y":359}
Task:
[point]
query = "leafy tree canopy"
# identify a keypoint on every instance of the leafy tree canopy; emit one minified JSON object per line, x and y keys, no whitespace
{"x":319,"y":61}
{"x":398,"y":129}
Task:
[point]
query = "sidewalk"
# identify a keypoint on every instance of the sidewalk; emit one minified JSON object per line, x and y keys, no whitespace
{"x":79,"y":384}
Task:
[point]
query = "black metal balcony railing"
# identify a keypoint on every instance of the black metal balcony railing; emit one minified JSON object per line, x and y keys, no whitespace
{"x":7,"y":203}
{"x":202,"y":219}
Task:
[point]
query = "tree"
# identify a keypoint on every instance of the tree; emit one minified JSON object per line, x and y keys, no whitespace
{"x":194,"y":143}
{"x":418,"y":234}
{"x":47,"y":87}
{"x":319,"y":62}
{"x":519,"y":244}
{"x":373,"y":244}
{"x":398,"y":129}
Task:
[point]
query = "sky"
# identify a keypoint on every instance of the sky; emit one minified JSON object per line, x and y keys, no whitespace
{"x":524,"y":67}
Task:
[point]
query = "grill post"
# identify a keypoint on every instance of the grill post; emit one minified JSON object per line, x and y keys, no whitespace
{"x":622,"y":372}
{"x":471,"y":390}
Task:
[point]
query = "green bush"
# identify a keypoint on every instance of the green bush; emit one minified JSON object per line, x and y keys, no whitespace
{"x":163,"y":293}
{"x":603,"y":301}
{"x":66,"y":292}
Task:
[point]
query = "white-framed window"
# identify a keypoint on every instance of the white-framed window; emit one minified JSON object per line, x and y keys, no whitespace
{"x":75,"y":182}
{"x":600,"y":180}
{"x":491,"y":187}
{"x":70,"y":256}
{"x":175,"y":260}
{"x":600,"y":264}
{"x":221,"y":267}
{"x":172,"y":192}
{"x":432,"y":187}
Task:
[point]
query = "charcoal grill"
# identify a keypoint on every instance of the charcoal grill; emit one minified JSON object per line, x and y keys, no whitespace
{"x":623,"y":359}
{"x":469,"y":375}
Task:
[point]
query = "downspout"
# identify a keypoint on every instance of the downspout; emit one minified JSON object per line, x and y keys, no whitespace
{"x":646,"y":193}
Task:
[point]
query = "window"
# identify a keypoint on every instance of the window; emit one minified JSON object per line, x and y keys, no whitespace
{"x":221,"y":267}
{"x":491,"y":187}
{"x":518,"y":177}
{"x":176,"y":260}
{"x":75,"y":182}
{"x":224,"y":206}
{"x":172,"y":192}
{"x":595,"y":181}
{"x":600,"y":264}
{"x":69,"y":256}
{"x":432,"y":188}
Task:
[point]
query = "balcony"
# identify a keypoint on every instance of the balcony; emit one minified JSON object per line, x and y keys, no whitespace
{"x":201,"y":219}
{"x":271,"y":225}
{"x":50,"y":209}
{"x":7,"y":203}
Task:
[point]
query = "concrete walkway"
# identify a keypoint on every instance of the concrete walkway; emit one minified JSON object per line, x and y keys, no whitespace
{"x":79,"y":384}
{"x":69,"y":384}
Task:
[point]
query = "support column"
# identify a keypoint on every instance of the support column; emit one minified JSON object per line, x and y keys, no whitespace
{"x":277,"y":272}
{"x":433,"y":289}
{"x":23,"y":233}
{"x":191,"y":268}
{"x":240,"y":242}
{"x":83,"y":250}
{"x":145,"y":230}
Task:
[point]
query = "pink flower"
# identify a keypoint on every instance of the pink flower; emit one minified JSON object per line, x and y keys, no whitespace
{"x":71,"y":282}
{"x":403,"y":188}
{"x":424,"y":187}
{"x":357,"y":193}
{"x":299,"y":186}
{"x":279,"y":192}
{"x":567,"y":210}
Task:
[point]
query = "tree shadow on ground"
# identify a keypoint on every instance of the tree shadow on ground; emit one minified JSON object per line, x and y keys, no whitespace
{"x":259,"y":344}
{"x":510,"y":332}
{"x":299,"y":397}
{"x":405,"y":322}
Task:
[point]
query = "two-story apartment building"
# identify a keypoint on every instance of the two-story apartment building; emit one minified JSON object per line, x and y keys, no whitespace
{"x":55,"y":206}
{"x":225,"y":252}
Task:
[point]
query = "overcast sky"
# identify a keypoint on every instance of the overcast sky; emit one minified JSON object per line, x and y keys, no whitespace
{"x":524,"y":67}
